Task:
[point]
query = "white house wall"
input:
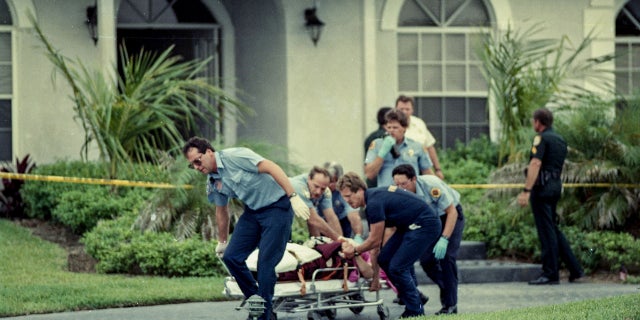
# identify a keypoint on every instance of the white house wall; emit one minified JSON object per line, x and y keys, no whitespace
{"x":319,"y":101}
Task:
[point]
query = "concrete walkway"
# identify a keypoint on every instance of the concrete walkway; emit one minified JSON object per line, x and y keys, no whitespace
{"x":473,"y":298}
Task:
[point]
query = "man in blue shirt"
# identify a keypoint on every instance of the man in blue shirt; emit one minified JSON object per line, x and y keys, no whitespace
{"x":387,"y":153}
{"x":440,"y":264}
{"x":417,"y":230}
{"x":313,"y":188}
{"x":269,"y":201}
{"x":349,"y":217}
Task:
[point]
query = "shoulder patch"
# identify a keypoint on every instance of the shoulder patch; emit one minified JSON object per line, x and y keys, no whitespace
{"x":392,"y":188}
{"x":327,"y":193}
{"x":435,"y":192}
{"x":534,"y":150}
{"x":372,"y":145}
{"x":306,"y":194}
{"x":536,"y":140}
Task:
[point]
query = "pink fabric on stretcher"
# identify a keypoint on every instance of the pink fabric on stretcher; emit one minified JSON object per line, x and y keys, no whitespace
{"x":354,"y":275}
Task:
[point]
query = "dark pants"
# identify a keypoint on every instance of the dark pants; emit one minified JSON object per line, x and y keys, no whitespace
{"x":399,"y":254}
{"x":444,"y":272}
{"x":269,"y":230}
{"x":345,"y":224}
{"x":552,"y":241}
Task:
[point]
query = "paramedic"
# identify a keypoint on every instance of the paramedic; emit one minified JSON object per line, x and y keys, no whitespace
{"x":386,"y":153}
{"x":270,"y":204}
{"x":417,"y":230}
{"x":439,"y":264}
{"x":313,"y":189}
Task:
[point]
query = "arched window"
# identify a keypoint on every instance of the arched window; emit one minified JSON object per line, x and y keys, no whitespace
{"x":627,"y":62}
{"x":437,"y":65}
{"x":6,"y":87}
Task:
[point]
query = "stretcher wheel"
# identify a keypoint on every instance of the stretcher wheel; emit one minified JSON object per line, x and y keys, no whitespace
{"x":358,"y":297}
{"x":383,"y":312}
{"x":314,"y":315}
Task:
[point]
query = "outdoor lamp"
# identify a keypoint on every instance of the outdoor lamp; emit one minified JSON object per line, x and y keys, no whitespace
{"x":313,"y":24}
{"x":92,"y":22}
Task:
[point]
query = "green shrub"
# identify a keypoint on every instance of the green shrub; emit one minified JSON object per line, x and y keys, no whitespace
{"x":43,"y":197}
{"x":121,"y":249}
{"x":81,"y":210}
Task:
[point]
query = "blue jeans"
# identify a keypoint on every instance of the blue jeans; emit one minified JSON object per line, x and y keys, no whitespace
{"x":269,"y":230}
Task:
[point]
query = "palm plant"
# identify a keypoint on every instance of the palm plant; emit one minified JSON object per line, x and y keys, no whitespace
{"x":147,"y":109}
{"x":604,"y":148}
{"x":525,"y":73}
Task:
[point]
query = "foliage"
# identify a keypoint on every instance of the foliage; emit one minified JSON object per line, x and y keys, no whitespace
{"x":119,"y":248}
{"x":525,"y":73}
{"x":11,"y":203}
{"x":42,"y":197}
{"x":605,"y":148}
{"x":35,"y":280}
{"x":147,"y":109}
{"x":480,"y":149}
{"x":81,"y":210}
{"x":607,"y":250}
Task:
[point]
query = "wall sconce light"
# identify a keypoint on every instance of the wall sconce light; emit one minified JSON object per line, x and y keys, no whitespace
{"x":313,"y":24}
{"x":92,"y":22}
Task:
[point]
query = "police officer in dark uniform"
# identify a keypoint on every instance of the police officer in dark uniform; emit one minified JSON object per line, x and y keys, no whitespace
{"x":543,"y":187}
{"x":417,"y":226}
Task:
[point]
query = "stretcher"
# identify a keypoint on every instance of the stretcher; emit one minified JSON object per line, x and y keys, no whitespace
{"x":320,"y":299}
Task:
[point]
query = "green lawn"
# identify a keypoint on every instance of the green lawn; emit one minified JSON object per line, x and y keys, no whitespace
{"x":33,"y":279}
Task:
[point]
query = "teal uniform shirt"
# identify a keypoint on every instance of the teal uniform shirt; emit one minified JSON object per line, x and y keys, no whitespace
{"x":238,"y":177}
{"x":411,"y":152}
{"x":301,"y":187}
{"x":436,"y":193}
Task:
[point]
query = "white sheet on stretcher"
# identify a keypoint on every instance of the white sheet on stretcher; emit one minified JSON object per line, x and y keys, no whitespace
{"x":292,"y":288}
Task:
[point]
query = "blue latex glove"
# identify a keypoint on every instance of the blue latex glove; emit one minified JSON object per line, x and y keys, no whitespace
{"x":441,"y":248}
{"x":358,"y":239}
{"x":387,"y":144}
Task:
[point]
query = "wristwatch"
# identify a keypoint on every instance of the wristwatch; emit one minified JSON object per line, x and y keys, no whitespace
{"x":355,"y":252}
{"x":526,"y":190}
{"x":293,"y":194}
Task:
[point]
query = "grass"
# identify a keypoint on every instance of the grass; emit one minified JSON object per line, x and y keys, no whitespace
{"x":33,"y":279}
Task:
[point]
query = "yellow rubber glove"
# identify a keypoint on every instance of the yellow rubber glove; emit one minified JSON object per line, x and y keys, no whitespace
{"x":299,"y":207}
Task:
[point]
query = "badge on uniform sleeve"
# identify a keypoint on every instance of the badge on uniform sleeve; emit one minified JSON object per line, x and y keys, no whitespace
{"x":372,"y":145}
{"x":306,"y":194}
{"x":537,"y":140}
{"x":435,"y":192}
{"x":392,"y":188}
{"x":534,"y":150}
{"x":327,"y":193}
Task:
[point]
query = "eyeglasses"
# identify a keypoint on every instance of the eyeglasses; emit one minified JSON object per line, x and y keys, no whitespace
{"x":196,"y":162}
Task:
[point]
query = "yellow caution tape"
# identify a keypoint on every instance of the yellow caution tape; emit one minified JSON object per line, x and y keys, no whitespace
{"x":144,"y":184}
{"x":111,"y":182}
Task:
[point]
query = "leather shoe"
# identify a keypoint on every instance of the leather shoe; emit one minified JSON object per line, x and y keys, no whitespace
{"x":447,"y":310}
{"x":574,"y":277}
{"x":410,"y":314}
{"x":424,"y":299}
{"x":543,"y":280}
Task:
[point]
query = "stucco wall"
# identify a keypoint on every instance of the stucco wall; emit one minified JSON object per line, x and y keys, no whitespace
{"x":44,"y":116}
